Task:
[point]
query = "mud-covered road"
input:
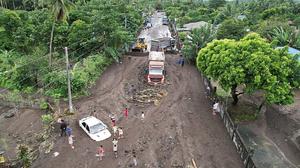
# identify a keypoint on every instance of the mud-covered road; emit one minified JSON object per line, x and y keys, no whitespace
{"x":179,"y":129}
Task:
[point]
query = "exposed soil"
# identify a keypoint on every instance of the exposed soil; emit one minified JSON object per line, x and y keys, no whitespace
{"x":274,"y":134}
{"x":22,"y":128}
{"x":175,"y":131}
{"x":178,"y":126}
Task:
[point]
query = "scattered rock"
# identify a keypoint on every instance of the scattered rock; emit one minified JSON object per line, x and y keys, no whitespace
{"x":55,"y":154}
{"x":176,"y":164}
{"x":9,"y":114}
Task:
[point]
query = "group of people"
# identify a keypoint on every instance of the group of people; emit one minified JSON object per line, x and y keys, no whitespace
{"x":117,"y":135}
{"x":101,"y":151}
{"x":66,"y":131}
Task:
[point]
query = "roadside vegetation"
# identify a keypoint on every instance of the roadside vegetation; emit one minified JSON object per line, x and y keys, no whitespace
{"x":34,"y":34}
{"x":224,"y":50}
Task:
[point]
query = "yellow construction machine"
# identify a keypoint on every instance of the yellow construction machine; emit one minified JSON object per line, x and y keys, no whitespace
{"x":2,"y":159}
{"x":140,"y":45}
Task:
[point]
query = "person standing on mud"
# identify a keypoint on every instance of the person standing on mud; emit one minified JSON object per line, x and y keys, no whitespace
{"x":115,"y":141}
{"x":69,"y":131}
{"x":143,"y":116}
{"x":63,"y":128}
{"x":216,"y":108}
{"x":113,"y":120}
{"x":115,"y":149}
{"x":121,"y":133}
{"x":181,"y":61}
{"x":126,"y":112}
{"x":115,"y":129}
{"x":71,"y":141}
{"x":134,"y":161}
{"x":100,"y":152}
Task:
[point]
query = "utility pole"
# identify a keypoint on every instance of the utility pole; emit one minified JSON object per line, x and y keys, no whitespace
{"x":69,"y":81}
{"x":125,"y":22}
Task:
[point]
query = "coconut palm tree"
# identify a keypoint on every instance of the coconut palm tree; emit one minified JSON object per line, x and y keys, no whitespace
{"x":196,"y":40}
{"x":60,"y":10}
{"x":284,"y":36}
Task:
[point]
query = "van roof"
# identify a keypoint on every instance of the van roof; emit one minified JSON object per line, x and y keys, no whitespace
{"x":157,"y":63}
{"x":156,"y":56}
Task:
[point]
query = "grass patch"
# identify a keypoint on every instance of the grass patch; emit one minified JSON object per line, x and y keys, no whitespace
{"x":245,"y":117}
{"x":243,"y":112}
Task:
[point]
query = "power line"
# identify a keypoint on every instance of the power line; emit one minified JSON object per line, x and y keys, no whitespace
{"x":35,"y":60}
{"x":52,"y":70}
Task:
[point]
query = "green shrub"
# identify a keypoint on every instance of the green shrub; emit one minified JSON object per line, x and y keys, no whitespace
{"x":43,"y":105}
{"x":47,"y":119}
{"x":84,"y":74}
{"x":24,"y":155}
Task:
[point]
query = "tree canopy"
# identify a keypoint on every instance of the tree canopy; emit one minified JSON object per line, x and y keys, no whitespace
{"x":216,"y":3}
{"x":196,"y":40}
{"x":231,"y":29}
{"x":253,"y":64}
{"x":95,"y":28}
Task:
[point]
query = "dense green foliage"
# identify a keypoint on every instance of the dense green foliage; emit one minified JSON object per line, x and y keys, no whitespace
{"x":95,"y":32}
{"x":216,"y":3}
{"x":231,"y":29}
{"x":276,"y":20}
{"x":24,"y":155}
{"x":187,"y":12}
{"x":197,"y":39}
{"x":253,"y":64}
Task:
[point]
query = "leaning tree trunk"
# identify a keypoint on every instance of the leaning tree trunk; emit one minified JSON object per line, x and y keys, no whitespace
{"x":234,"y":94}
{"x":50,"y":45}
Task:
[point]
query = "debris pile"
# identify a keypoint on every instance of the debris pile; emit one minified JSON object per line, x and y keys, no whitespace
{"x":149,"y":95}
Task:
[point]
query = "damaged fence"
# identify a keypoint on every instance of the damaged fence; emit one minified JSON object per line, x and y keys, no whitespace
{"x":244,"y":152}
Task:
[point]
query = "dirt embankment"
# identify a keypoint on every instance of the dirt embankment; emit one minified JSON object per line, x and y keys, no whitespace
{"x":284,"y":129}
{"x":279,"y":126}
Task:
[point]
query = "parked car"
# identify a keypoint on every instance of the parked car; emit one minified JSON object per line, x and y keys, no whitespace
{"x":165,"y":20}
{"x":95,"y":128}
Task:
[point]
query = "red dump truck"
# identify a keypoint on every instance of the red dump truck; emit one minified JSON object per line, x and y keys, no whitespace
{"x":156,"y":67}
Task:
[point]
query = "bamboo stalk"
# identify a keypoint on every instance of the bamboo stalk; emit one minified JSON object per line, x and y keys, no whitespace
{"x":194,"y":163}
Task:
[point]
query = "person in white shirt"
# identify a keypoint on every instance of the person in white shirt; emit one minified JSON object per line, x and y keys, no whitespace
{"x":115,"y":141}
{"x":115,"y":149}
{"x":143,"y":116}
{"x":121,"y":133}
{"x":71,"y":141}
{"x":216,"y":108}
{"x":115,"y":129}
